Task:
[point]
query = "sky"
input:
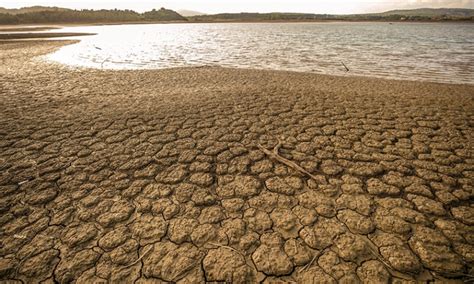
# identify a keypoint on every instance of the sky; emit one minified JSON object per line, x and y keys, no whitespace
{"x":219,"y":6}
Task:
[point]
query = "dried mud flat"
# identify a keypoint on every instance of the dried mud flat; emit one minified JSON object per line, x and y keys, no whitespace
{"x":157,"y":176}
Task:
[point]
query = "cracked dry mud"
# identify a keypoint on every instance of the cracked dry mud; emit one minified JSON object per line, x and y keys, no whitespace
{"x":153,"y":176}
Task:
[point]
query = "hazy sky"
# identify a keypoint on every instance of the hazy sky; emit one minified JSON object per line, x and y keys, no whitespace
{"x":216,"y":6}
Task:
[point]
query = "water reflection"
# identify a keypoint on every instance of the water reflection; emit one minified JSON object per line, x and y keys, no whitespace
{"x":433,"y":52}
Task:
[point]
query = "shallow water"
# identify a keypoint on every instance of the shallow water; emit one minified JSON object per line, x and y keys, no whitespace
{"x":439,"y":52}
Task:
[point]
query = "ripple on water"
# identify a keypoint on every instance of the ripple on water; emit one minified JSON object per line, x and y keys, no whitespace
{"x":417,"y":51}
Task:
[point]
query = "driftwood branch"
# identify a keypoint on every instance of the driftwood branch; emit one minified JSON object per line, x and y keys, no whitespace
{"x":276,"y":155}
{"x":347,"y":69}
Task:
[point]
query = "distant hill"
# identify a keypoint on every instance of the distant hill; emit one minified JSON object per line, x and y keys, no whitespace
{"x":163,"y":15}
{"x":426,"y":12}
{"x":190,"y":13}
{"x":395,"y":15}
{"x":51,"y":15}
{"x":255,"y":17}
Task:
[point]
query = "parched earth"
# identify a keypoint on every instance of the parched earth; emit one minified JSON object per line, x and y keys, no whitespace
{"x":156,"y":176}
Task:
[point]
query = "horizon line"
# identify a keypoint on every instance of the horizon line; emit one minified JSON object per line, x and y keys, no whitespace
{"x":241,"y":12}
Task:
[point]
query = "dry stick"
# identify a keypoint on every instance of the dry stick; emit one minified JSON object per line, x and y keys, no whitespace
{"x":374,"y":250}
{"x":275,"y":155}
{"x":102,"y":64}
{"x":21,"y":262}
{"x":307,"y":266}
{"x":140,"y":258}
{"x":470,"y":277}
{"x":227,"y":247}
{"x":347,"y":69}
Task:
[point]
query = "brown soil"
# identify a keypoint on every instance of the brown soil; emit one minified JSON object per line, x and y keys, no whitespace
{"x":127,"y":176}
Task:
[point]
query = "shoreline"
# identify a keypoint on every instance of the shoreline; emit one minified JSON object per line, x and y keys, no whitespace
{"x":66,"y":24}
{"x":353,"y":76}
{"x":4,"y":29}
{"x":132,"y":175}
{"x":85,"y":68}
{"x":17,"y":36}
{"x":25,"y":35}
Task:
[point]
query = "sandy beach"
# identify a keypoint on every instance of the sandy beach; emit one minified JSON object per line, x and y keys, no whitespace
{"x":214,"y":174}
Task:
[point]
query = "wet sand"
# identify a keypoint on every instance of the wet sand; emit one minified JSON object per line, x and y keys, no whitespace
{"x":159,"y":175}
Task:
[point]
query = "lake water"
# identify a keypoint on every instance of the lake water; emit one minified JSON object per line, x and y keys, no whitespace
{"x":439,"y":52}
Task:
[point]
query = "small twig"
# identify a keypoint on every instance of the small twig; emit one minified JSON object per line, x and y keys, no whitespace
{"x":347,"y":69}
{"x":468,"y":277}
{"x":469,"y":280}
{"x":275,"y":155}
{"x":457,"y":274}
{"x":374,"y":250}
{"x":21,"y":262}
{"x":140,"y":258}
{"x":276,"y":149}
{"x":102,"y":64}
{"x":307,"y":266}
{"x":227,"y":247}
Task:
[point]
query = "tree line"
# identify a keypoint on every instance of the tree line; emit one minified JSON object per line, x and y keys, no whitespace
{"x":45,"y":15}
{"x":89,"y":16}
{"x":255,"y":17}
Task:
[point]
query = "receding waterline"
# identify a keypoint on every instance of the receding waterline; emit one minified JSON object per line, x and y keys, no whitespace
{"x":429,"y":52}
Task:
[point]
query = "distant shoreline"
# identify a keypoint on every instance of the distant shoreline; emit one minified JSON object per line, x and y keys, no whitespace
{"x":27,"y":29}
{"x":14,"y":36}
{"x":5,"y":28}
{"x":61,"y":16}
